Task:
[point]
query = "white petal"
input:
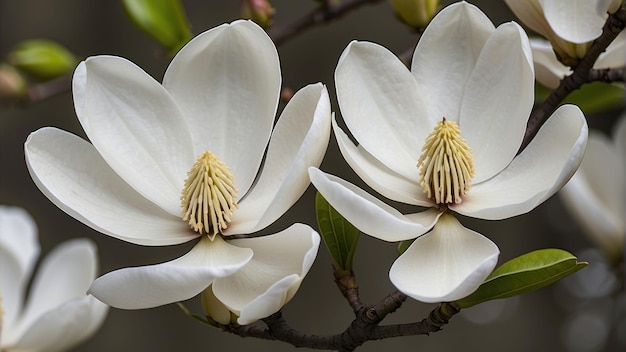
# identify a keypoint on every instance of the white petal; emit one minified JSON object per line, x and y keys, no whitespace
{"x":531,"y":14}
{"x":446,"y":264}
{"x":381,"y":105}
{"x":619,"y":136}
{"x":177,"y":280}
{"x":64,"y":274}
{"x":549,"y":71}
{"x":71,"y":173}
{"x":445,"y":57}
{"x":64,"y":327}
{"x":615,"y":54}
{"x":369,"y":214}
{"x":299,"y":141}
{"x":378,"y":176}
{"x":227,"y":82}
{"x":593,"y":194}
{"x":214,"y":308}
{"x":577,"y":21}
{"x":537,"y":173}
{"x":19,"y":249}
{"x":136,"y":126}
{"x":498,"y":99}
{"x":273,"y":276}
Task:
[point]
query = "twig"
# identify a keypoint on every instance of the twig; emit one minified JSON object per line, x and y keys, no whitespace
{"x":323,"y":14}
{"x":615,"y":23}
{"x":607,"y":75}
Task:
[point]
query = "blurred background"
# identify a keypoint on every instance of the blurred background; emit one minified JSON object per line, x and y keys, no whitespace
{"x":557,"y":318}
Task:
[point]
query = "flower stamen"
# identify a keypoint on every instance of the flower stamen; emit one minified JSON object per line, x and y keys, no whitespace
{"x":209,"y":196}
{"x":446,"y":164}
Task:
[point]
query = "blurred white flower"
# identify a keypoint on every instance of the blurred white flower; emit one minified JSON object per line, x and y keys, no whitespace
{"x":465,"y":76}
{"x":58,"y":314}
{"x":195,"y":142}
{"x":569,"y":25}
{"x":596,"y":194}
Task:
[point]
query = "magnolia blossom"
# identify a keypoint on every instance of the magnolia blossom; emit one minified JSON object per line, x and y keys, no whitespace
{"x":549,"y":71}
{"x":445,"y":135}
{"x":181,"y":161}
{"x":596,"y":194}
{"x":569,"y":25}
{"x":57,"y":315}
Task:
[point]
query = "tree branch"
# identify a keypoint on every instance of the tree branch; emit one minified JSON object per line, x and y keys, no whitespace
{"x":327,"y":12}
{"x":607,"y":75}
{"x":613,"y":26}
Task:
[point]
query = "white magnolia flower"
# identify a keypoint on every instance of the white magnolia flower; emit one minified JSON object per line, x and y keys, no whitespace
{"x":570,"y":25}
{"x":57,"y":315}
{"x":596,"y":194}
{"x":465,"y":76}
{"x":549,"y":71}
{"x":181,"y":161}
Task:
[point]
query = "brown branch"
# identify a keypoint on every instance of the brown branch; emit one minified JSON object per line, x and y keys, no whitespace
{"x":327,"y":12}
{"x":607,"y":75}
{"x":615,"y":23}
{"x":362,"y":329}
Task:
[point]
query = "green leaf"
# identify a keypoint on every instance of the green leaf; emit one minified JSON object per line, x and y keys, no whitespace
{"x":340,"y":236}
{"x":164,"y":20}
{"x":197,"y":317}
{"x":524,"y":274}
{"x":41,"y":58}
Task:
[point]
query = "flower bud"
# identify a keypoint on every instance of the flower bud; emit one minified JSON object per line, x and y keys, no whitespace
{"x":43,"y":59}
{"x":12,"y":84}
{"x":259,"y":11}
{"x":415,"y":13}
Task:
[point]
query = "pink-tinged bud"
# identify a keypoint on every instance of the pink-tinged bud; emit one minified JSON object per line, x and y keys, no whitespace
{"x":259,"y":11}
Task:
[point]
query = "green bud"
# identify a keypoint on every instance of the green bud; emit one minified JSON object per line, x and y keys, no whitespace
{"x":12,"y":84}
{"x":43,"y":59}
{"x":163,"y":20}
{"x":259,"y":11}
{"x":415,"y":13}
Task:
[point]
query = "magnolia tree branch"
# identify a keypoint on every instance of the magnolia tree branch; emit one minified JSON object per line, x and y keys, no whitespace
{"x":365,"y":327}
{"x":325,"y":13}
{"x":582,"y":74}
{"x":607,"y":75}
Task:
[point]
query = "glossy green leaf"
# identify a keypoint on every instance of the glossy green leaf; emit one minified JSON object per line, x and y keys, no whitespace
{"x":339,"y":235}
{"x":164,"y":20}
{"x":41,"y":58}
{"x":524,"y":274}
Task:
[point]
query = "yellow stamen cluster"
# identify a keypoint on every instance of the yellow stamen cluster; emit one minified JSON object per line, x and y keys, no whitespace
{"x":209,"y":196}
{"x":446,"y":164}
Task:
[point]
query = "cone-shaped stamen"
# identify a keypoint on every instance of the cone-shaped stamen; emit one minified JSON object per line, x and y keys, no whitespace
{"x":209,"y":196}
{"x":446,"y":164}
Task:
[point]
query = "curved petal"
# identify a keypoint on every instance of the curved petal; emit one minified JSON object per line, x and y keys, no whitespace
{"x":592,"y":194}
{"x":19,"y":250}
{"x":446,"y":264}
{"x":71,"y":173}
{"x":272,"y":277}
{"x":445,"y":57}
{"x":615,"y":54}
{"x":136,"y":126}
{"x":227,"y":82}
{"x":378,"y":176}
{"x":549,"y":71}
{"x":215,"y":309}
{"x":619,"y":137}
{"x":536,"y":174}
{"x":498,"y":99}
{"x":577,"y":21}
{"x":369,"y":214}
{"x":299,"y":141}
{"x":531,"y":14}
{"x":64,"y":327}
{"x":64,"y":274}
{"x":379,"y":97}
{"x":177,"y":280}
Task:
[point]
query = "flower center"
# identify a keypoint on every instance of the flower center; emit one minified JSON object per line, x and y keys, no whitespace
{"x":209,"y":196}
{"x":446,"y":164}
